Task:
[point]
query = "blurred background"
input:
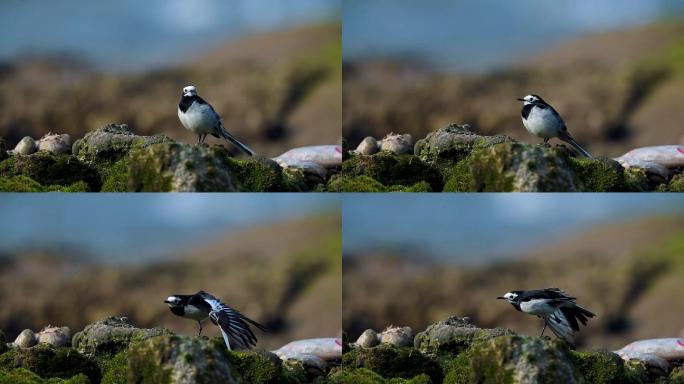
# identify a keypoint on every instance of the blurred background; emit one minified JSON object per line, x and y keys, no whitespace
{"x":270,"y":68}
{"x":416,"y":260}
{"x":72,"y":260}
{"x":613,"y":69}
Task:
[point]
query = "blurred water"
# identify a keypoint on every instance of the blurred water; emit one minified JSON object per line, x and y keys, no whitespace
{"x":481,"y":227}
{"x":132,"y":34}
{"x":127,"y":227}
{"x":473,"y":35}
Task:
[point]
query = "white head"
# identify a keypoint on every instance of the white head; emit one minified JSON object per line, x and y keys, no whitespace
{"x":531,"y":99}
{"x":510,"y":297}
{"x":190,"y":90}
{"x":173,"y":301}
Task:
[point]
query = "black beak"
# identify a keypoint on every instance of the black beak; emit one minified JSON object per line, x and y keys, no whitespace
{"x":520,"y":99}
{"x":167,"y":302}
{"x":501,"y":298}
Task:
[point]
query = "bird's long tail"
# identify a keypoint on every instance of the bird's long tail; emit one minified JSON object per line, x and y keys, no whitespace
{"x":565,"y":136}
{"x":225,"y":338}
{"x":235,"y":141}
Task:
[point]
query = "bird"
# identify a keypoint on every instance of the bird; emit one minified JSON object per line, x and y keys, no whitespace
{"x":558,"y":310}
{"x":199,"y":117}
{"x":202,"y":305}
{"x":541,"y":120}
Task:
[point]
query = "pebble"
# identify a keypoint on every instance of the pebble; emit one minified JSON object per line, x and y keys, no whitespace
{"x":26,"y":146}
{"x":26,"y":339}
{"x":368,"y":146}
{"x":55,"y":143}
{"x":55,"y":336}
{"x":397,"y":143}
{"x":397,"y":336}
{"x":368,"y":339}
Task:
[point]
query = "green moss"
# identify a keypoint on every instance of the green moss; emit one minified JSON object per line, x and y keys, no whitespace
{"x":458,"y":370}
{"x":116,"y":177}
{"x":27,"y":184}
{"x":389,"y":362}
{"x":390,"y":169}
{"x":603,"y":367}
{"x":341,"y":183}
{"x":147,"y":169}
{"x":47,"y":361}
{"x":606,"y":175}
{"x":258,"y":175}
{"x":459,"y":177}
{"x":261,"y":367}
{"x":3,"y":149}
{"x":24,"y":376}
{"x":356,"y":376}
{"x":49,"y":169}
{"x":676,"y":184}
{"x":115,"y":370}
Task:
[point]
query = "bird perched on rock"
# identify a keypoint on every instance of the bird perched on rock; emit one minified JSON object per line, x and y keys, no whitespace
{"x":558,"y":310}
{"x":233,"y":325}
{"x":541,"y":120}
{"x":198,"y":116}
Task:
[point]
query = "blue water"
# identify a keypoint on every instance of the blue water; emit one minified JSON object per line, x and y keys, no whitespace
{"x":127,"y":227}
{"x":473,"y":228}
{"x":134,"y":34}
{"x":472,"y":35}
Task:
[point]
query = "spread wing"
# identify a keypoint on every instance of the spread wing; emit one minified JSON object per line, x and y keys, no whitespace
{"x":233,"y":325}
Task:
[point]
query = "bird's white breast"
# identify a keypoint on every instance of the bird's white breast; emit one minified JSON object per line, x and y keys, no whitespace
{"x":192,"y":312}
{"x":537,"y":307}
{"x":199,"y":118}
{"x":542,"y":122}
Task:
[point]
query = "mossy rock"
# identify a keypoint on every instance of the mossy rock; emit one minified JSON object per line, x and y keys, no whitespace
{"x":517,"y":359}
{"x":110,"y":143}
{"x":392,"y":362}
{"x":453,"y":336}
{"x":392,"y":170}
{"x":263,"y":175}
{"x":179,"y":359}
{"x":49,"y":169}
{"x":602,"y":174}
{"x":368,"y":184}
{"x":604,"y":367}
{"x":514,"y":167}
{"x":265,"y":367}
{"x":24,"y":376}
{"x":47,"y":361}
{"x":676,"y":184}
{"x":454,"y":143}
{"x":172,"y":167}
{"x":27,"y":184}
{"x":299,"y":180}
{"x":366,"y":376}
{"x":115,"y":369}
{"x":107,"y":337}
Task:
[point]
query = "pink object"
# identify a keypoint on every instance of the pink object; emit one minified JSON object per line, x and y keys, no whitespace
{"x":326,"y":156}
{"x":666,"y":348}
{"x":323,"y":348}
{"x":670,"y":156}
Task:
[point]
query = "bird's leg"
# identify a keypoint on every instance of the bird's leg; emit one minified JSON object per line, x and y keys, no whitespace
{"x":199,"y":331}
{"x":199,"y":139}
{"x":543,"y":329}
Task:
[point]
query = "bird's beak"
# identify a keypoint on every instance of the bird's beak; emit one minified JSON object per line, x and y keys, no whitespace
{"x":167,"y":302}
{"x":520,"y":99}
{"x":501,"y":298}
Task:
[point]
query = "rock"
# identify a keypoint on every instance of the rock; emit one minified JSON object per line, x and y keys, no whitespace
{"x":174,"y":167}
{"x":397,"y":336}
{"x":179,"y":360}
{"x":393,"y":170}
{"x":112,"y":142}
{"x":55,"y":143}
{"x":26,"y":146}
{"x":368,"y":339}
{"x":111,"y":335}
{"x":48,"y":361}
{"x":397,"y":144}
{"x":517,"y":359}
{"x":608,"y":367}
{"x":266,"y":367}
{"x":454,"y":335}
{"x":454,"y":143}
{"x":51,"y":169}
{"x":392,"y":362}
{"x":368,"y":146}
{"x":26,"y":339}
{"x":55,"y":336}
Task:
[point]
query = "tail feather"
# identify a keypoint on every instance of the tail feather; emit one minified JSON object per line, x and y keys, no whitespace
{"x":225,"y":338}
{"x":565,"y":136}
{"x":236,"y":142}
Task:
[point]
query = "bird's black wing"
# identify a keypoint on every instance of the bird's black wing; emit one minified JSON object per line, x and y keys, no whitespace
{"x":233,"y":324}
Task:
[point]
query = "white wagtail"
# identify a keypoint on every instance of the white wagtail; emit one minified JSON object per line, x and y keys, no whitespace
{"x":198,"y":116}
{"x":558,"y":310}
{"x":200,"y":306}
{"x":541,"y":120}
